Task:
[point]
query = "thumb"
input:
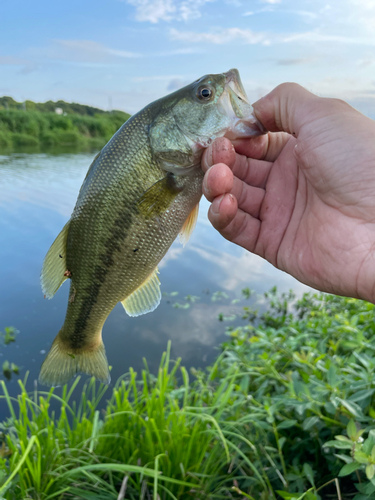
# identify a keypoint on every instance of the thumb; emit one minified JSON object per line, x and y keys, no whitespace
{"x":286,"y":108}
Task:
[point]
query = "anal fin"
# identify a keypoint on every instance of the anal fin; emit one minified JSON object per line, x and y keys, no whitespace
{"x":145,"y":298}
{"x":189,"y":225}
{"x":54,"y":265}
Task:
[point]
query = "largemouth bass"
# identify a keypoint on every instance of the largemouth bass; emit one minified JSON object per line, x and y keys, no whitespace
{"x":140,"y":192}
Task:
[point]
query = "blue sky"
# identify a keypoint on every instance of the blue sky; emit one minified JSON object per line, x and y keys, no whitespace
{"x":125,"y":53}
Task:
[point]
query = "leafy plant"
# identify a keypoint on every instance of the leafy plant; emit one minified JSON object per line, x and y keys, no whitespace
{"x":266,"y":421}
{"x":361,"y":458}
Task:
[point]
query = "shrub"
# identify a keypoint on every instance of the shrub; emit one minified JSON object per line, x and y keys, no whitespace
{"x":49,"y":129}
{"x":308,"y":372}
{"x":5,"y":140}
{"x":96,"y":142}
{"x":48,"y":138}
{"x":68,"y":138}
{"x":23,"y":140}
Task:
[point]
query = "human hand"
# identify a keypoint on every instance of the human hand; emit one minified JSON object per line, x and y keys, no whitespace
{"x":302,"y":196}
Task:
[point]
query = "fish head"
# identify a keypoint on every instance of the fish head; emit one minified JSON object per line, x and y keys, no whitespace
{"x":235,"y":105}
{"x":191,"y":118}
{"x":216,"y":106}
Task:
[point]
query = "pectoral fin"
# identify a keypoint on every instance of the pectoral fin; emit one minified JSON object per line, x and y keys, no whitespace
{"x":146,"y":297}
{"x":189,"y":225}
{"x":54,"y":270}
{"x":158,"y":197}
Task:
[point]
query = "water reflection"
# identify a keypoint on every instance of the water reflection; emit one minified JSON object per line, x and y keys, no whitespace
{"x":38,"y":193}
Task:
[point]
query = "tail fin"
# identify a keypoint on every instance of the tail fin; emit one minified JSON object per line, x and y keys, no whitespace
{"x":61,"y":365}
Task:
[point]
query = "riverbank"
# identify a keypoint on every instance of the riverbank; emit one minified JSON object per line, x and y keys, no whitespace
{"x":41,"y":126}
{"x":278,"y":415}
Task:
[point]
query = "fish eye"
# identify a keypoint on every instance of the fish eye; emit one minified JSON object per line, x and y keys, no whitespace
{"x":204,"y":93}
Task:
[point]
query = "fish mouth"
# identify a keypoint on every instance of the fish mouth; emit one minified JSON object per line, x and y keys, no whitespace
{"x":235,"y":104}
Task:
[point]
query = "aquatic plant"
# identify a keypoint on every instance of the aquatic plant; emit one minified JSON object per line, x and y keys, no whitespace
{"x":6,"y":338}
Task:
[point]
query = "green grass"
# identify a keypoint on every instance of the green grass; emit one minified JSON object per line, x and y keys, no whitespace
{"x":150,"y":433}
{"x":286,"y":411}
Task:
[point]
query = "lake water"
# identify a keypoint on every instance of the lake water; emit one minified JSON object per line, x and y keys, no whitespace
{"x":38,"y":193}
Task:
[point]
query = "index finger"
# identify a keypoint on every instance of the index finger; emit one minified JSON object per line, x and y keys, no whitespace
{"x":250,"y":171}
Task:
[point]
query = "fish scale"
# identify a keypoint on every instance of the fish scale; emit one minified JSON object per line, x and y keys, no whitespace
{"x":119,"y":270}
{"x":140,"y":192}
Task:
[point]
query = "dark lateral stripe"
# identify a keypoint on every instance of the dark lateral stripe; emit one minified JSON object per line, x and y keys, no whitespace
{"x":118,"y":234}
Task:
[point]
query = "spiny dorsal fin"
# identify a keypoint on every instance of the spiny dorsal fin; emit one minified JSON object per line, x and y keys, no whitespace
{"x":189,"y":225}
{"x":146,"y":298}
{"x":54,"y":265}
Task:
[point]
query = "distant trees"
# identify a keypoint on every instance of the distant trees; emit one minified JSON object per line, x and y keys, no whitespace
{"x":37,"y":125}
{"x":7,"y":102}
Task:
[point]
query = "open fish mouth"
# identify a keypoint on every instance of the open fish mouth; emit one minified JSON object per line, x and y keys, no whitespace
{"x":235,"y":104}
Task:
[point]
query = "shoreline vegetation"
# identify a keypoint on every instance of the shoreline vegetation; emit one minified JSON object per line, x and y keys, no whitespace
{"x":36,"y":127}
{"x":287,"y":411}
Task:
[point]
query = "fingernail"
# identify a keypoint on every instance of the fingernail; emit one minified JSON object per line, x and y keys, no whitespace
{"x":215,"y":206}
{"x":209,"y":159}
{"x":206,"y":189}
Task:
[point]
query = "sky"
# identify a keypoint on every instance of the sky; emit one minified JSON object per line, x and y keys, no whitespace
{"x":123,"y":54}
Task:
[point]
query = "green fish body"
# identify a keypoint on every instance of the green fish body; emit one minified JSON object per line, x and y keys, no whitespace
{"x":140,"y":192}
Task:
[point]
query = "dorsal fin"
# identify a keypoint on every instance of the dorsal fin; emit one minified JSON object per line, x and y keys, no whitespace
{"x":189,"y":225}
{"x":146,"y":297}
{"x":54,"y":265}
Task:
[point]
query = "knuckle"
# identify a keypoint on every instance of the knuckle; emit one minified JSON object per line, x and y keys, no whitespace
{"x":337,"y":104}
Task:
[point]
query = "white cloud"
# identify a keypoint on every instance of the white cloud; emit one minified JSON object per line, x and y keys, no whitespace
{"x":121,"y":53}
{"x":315,"y":36}
{"x":83,"y":52}
{"x":26,"y":65}
{"x":177,"y":52}
{"x":154,"y":78}
{"x":364,"y":13}
{"x":154,"y":11}
{"x":86,"y":50}
{"x":191,"y":9}
{"x":220,"y":36}
{"x":176,"y":83}
{"x":343,"y":17}
{"x":295,"y":62}
{"x":12,"y":61}
{"x":364,"y":62}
